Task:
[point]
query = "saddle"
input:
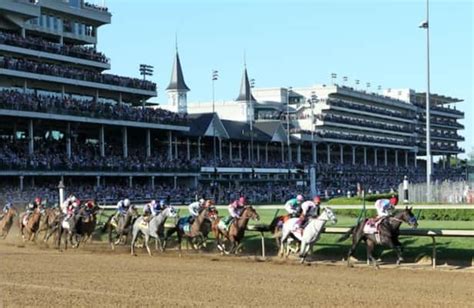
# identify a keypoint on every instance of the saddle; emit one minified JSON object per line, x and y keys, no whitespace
{"x":372,"y":225}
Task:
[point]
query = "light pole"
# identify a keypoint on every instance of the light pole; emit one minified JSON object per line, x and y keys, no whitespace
{"x":333,"y":78}
{"x":425,"y":25}
{"x":215,"y":76}
{"x":288,"y":121}
{"x":313,"y":100}
{"x":146,"y":70}
{"x":252,"y":118}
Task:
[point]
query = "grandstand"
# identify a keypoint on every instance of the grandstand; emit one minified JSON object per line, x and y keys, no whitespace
{"x":63,"y":117}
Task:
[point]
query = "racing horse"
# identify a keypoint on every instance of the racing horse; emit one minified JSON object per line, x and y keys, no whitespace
{"x":151,"y":228}
{"x":311,"y":233}
{"x":49,"y":223}
{"x":7,"y":221}
{"x":387,"y":235}
{"x":29,"y":227}
{"x":236,"y":231}
{"x":195,"y":231}
{"x":276,"y":225}
{"x":85,"y":224}
{"x":118,"y":230}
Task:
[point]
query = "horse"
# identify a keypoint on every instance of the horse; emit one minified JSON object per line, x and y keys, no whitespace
{"x":151,"y":229}
{"x":49,"y":223}
{"x":195,"y":231}
{"x":312,"y":231}
{"x":310,"y":235}
{"x":122,"y":228}
{"x":7,"y":221}
{"x":275,"y":227}
{"x":387,"y":235}
{"x":85,"y":224}
{"x":236,"y":231}
{"x":30,"y":226}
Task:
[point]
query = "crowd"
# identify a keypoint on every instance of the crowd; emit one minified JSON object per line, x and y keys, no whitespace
{"x":40,"y":44}
{"x":332,"y":134}
{"x":10,"y":99}
{"x":369,"y":108}
{"x":96,"y":7}
{"x":364,"y":122}
{"x":69,"y":71}
{"x":51,"y":155}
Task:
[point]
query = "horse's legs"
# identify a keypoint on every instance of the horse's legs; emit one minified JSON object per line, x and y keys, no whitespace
{"x":356,"y":238}
{"x":168,"y":234}
{"x":178,"y":233}
{"x":370,"y":250}
{"x":147,"y":238}
{"x":111,"y":241}
{"x":132,"y":244}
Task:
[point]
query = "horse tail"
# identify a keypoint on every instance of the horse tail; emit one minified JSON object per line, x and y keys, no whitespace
{"x":106,"y":225}
{"x":346,"y":235}
{"x":274,"y":224}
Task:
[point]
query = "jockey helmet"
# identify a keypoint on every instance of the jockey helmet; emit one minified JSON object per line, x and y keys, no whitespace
{"x":72,"y":198}
{"x":317,"y":200}
{"x":90,"y":204}
{"x":126,"y":202}
{"x":37,"y":200}
{"x":242,"y":201}
{"x":153,"y":203}
{"x":201,"y":201}
{"x":162,"y":203}
{"x":299,"y":198}
{"x":394,"y":200}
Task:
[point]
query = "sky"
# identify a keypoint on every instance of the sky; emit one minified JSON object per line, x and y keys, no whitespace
{"x":296,"y":43}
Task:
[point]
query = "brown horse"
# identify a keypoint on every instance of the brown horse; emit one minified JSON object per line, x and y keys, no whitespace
{"x":195,"y":235}
{"x":235,"y":233}
{"x":118,"y":232}
{"x":85,"y":225}
{"x":48,"y":223}
{"x":31,"y":226}
{"x":7,"y":222}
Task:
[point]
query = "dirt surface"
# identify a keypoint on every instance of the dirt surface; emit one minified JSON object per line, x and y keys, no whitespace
{"x":35,"y":275}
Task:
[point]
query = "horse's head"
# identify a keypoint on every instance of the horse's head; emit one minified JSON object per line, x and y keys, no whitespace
{"x":250,"y":213}
{"x":407,"y":216}
{"x":170,"y":211}
{"x":212,"y":214}
{"x":328,"y":214}
{"x":132,"y":211}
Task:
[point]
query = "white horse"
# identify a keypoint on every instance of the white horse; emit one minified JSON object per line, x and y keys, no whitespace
{"x":151,"y":228}
{"x":311,"y":233}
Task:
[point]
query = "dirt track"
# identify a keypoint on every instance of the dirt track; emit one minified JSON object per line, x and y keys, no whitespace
{"x":38,"y":276}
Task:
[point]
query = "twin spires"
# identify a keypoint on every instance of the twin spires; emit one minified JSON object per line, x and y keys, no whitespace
{"x":177,"y":82}
{"x":245,"y":93}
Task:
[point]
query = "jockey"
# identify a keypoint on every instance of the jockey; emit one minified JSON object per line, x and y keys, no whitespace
{"x":384,"y":209}
{"x":32,"y":206}
{"x":293,"y":206}
{"x":153,"y":209}
{"x":5,"y":209}
{"x":67,"y":203}
{"x":195,"y":207}
{"x":122,"y":207}
{"x":235,"y":209}
{"x":308,"y":209}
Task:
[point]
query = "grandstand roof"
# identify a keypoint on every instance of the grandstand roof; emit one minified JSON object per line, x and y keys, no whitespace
{"x":241,"y":131}
{"x":274,"y":129}
{"x":440,"y":99}
{"x":177,"y":79}
{"x":201,"y":124}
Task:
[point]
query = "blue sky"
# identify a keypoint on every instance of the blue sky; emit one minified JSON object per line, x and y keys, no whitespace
{"x":296,"y":43}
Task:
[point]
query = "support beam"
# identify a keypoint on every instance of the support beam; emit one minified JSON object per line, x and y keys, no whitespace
{"x":188,"y":149}
{"x":230,"y":150}
{"x":240,"y":151}
{"x":375,"y":157}
{"x":148,"y":143}
{"x":22,"y":180}
{"x":314,"y":151}
{"x":415,"y":163}
{"x":176,"y":152}
{"x":25,"y":86}
{"x":97,"y":181}
{"x":328,"y":147}
{"x":125,"y":141}
{"x":341,"y":154}
{"x":282,"y":152}
{"x":365,"y":156}
{"x":68,"y":141}
{"x":258,"y":152}
{"x":102,"y":140}
{"x":152,"y":182}
{"x":249,"y":150}
{"x":353,"y":155}
{"x":406,"y":159}
{"x":385,"y":156}
{"x":199,"y":147}
{"x":170,"y":145}
{"x":130,"y":181}
{"x":298,"y":154}
{"x":220,"y":148}
{"x":290,"y":153}
{"x":31,"y":137}
{"x":266,"y":152}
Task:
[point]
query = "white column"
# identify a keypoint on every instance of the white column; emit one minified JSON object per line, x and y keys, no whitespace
{"x":314,"y":151}
{"x":102,"y":140}
{"x":248,"y":151}
{"x":365,"y":156}
{"x":386,"y":157}
{"x":290,"y":153}
{"x":416,"y":163}
{"x":170,"y":146}
{"x":188,"y":149}
{"x":240,"y":151}
{"x":63,"y":91}
{"x":258,"y":151}
{"x":328,"y":147}
{"x":282,"y":152}
{"x":31,"y":141}
{"x":375,"y":157}
{"x":341,"y":153}
{"x":25,"y":86}
{"x":97,"y":95}
{"x":353,"y":155}
{"x":444,"y":161}
{"x":266,"y":152}
{"x":68,"y":140}
{"x":97,"y":181}
{"x":120,"y":98}
{"x":130,"y":181}
{"x":148,"y":143}
{"x":175,"y":182}
{"x":199,"y":147}
{"x":396,"y":158}
{"x":22,"y":178}
{"x":298,"y":154}
{"x":125,"y":141}
{"x":153,"y":182}
{"x":406,"y":159}
{"x":176,"y":153}
{"x":230,"y":150}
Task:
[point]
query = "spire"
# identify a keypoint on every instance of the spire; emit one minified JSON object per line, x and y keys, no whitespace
{"x":177,"y":79}
{"x":245,"y":90}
